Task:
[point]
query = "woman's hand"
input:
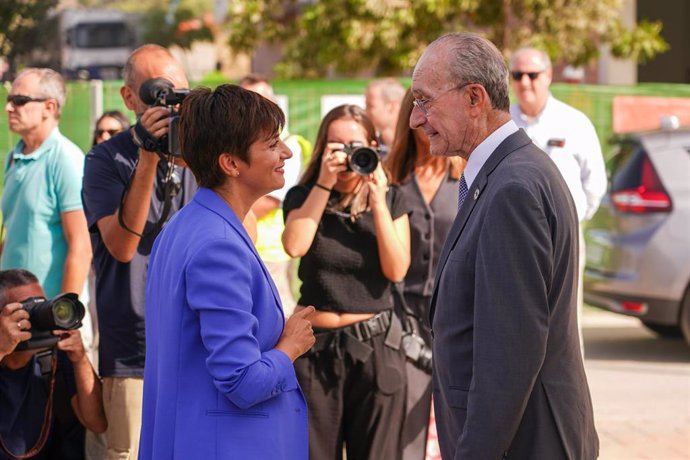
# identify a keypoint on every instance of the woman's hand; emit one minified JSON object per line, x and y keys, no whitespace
{"x":298,"y":336}
{"x":378,"y":186}
{"x":333,"y":161}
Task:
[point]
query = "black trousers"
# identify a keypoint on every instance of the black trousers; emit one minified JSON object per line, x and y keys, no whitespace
{"x":356,"y":398}
{"x":418,"y":395}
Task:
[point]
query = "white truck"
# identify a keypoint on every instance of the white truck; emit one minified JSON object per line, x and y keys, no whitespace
{"x":94,"y":43}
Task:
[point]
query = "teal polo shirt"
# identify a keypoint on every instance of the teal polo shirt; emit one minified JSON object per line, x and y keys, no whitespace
{"x":38,"y":188}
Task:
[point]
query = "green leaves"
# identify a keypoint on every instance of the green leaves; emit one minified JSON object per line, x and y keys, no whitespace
{"x":349,"y":37}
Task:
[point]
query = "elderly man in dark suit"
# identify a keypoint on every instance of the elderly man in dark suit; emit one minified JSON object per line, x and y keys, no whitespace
{"x":509,"y":381}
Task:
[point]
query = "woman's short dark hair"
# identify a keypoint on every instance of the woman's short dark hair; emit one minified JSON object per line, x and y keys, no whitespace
{"x":228,"y":119}
{"x":342,"y":112}
{"x":115,"y":115}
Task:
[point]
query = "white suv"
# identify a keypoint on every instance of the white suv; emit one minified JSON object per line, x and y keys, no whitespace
{"x":638,"y":243}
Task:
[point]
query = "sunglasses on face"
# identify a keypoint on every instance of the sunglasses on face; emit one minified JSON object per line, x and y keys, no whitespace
{"x":111,"y":132}
{"x":517,"y":75}
{"x":18,"y":100}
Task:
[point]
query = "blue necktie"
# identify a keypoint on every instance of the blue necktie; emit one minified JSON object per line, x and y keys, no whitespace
{"x":462,"y":190}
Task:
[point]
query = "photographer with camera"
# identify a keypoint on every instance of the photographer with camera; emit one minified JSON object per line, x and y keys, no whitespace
{"x":132,"y":186}
{"x":47,"y":398}
{"x":352,"y":231}
{"x":430,"y":187}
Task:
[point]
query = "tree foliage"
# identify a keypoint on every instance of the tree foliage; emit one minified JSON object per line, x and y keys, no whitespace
{"x":166,"y":22}
{"x":22,"y":27}
{"x":349,"y":36}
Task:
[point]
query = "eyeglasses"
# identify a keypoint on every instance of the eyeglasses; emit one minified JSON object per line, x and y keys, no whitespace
{"x":517,"y":75}
{"x":111,"y":132}
{"x":425,"y":104}
{"x":17,"y":100}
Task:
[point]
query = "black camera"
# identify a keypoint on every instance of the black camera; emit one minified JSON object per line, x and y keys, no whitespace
{"x":417,"y":351}
{"x":159,"y":92}
{"x":361,"y":159}
{"x":64,"y":311}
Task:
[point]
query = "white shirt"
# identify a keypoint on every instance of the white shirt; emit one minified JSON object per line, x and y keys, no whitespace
{"x":483,"y":151}
{"x":569,"y":139}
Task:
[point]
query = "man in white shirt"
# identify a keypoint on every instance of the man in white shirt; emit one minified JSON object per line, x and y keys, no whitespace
{"x":563,"y":132}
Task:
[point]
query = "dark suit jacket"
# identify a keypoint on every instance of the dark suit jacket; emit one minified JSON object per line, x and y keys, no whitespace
{"x":509,"y":380}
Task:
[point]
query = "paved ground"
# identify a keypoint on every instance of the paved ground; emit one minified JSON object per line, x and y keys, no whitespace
{"x":640,"y":388}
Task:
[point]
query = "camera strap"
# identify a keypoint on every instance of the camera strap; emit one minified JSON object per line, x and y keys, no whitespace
{"x":400,"y":307}
{"x":47,"y":418}
{"x":172,"y":185}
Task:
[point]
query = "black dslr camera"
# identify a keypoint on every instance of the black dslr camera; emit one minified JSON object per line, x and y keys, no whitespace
{"x":361,"y":159}
{"x":159,"y":92}
{"x":417,"y":351}
{"x":64,"y":311}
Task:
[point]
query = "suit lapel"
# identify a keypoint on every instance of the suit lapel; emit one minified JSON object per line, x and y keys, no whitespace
{"x":210,"y":200}
{"x":513,"y":142}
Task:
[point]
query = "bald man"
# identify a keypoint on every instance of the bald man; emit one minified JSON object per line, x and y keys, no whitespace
{"x":383,"y":98}
{"x":126,"y":199}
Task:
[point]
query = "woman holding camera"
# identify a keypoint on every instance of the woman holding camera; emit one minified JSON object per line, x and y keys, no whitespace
{"x":219,"y":380}
{"x":352,"y":233}
{"x":430,"y":187}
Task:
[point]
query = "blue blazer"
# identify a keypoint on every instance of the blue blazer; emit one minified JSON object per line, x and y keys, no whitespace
{"x":214,"y":386}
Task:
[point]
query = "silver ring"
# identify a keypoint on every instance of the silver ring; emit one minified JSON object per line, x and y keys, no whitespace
{"x":19,"y":324}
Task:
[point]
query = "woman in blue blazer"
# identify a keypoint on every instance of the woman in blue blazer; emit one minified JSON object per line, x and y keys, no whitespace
{"x":219,"y":380}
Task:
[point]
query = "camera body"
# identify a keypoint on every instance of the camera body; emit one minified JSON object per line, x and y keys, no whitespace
{"x":64,"y":311}
{"x":159,"y":92}
{"x":361,"y":159}
{"x":417,"y":351}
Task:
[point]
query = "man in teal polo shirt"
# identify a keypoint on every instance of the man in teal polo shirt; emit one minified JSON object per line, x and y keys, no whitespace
{"x":45,"y":229}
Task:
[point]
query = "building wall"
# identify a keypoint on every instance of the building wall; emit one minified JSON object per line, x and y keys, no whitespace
{"x":672,"y":66}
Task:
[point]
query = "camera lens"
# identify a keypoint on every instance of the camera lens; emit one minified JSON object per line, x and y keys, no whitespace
{"x":64,"y":314}
{"x":363,"y":161}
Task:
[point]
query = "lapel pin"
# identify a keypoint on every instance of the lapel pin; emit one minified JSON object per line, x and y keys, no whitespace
{"x":476,"y":194}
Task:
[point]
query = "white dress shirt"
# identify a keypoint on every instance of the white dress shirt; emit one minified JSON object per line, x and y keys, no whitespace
{"x":569,"y":139}
{"x":483,"y":151}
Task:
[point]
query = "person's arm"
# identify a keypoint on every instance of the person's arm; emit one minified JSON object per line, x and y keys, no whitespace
{"x":121,"y":243}
{"x":87,"y":403}
{"x":592,"y":169}
{"x":511,"y":319}
{"x":78,"y":259}
{"x":243,"y":368}
{"x":10,"y":335}
{"x":264,"y":205}
{"x":392,"y":237}
{"x":301,"y":223}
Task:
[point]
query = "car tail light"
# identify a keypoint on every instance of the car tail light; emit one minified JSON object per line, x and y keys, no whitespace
{"x":634,"y":307}
{"x":648,"y":197}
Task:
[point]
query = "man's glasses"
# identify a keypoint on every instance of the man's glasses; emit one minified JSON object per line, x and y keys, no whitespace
{"x":517,"y":75}
{"x":425,"y":104}
{"x":111,"y":132}
{"x":18,"y":100}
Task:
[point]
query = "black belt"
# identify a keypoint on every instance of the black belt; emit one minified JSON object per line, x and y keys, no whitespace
{"x":350,"y":339}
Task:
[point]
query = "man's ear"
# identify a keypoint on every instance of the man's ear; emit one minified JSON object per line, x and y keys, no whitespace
{"x":476,"y":95}
{"x":52,"y":106}
{"x":128,"y":98}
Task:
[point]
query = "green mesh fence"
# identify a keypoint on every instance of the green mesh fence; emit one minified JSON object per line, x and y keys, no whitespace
{"x":305,"y":105}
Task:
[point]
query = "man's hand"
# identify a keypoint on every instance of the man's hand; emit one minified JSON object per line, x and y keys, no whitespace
{"x":14,"y":327}
{"x":71,"y":343}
